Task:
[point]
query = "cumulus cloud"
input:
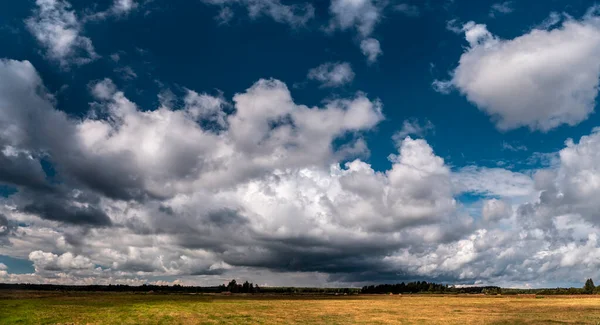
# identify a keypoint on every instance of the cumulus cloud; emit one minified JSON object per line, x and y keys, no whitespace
{"x":371,"y":49}
{"x":260,"y":186}
{"x":295,"y":15}
{"x":43,"y":261}
{"x":56,"y":27}
{"x":332,"y":74}
{"x":569,"y":187}
{"x":540,"y":80}
{"x":495,"y":209}
{"x":362,"y":16}
{"x":493,"y":182}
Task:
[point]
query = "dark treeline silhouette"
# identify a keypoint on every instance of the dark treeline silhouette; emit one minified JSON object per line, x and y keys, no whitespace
{"x":232,"y":287}
{"x":249,"y":288}
{"x":426,"y":287}
{"x":588,"y":289}
{"x":246,"y":287}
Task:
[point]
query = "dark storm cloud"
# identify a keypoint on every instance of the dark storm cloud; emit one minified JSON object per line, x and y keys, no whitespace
{"x":224,"y":217}
{"x":7,"y":228}
{"x":109,"y":176}
{"x":21,"y":170}
{"x":56,"y":208}
{"x":34,"y":128}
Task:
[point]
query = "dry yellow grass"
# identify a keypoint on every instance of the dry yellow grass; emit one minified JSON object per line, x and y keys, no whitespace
{"x":104,"y":308}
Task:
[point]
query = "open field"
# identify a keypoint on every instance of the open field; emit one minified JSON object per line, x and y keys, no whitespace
{"x":124,"y":308}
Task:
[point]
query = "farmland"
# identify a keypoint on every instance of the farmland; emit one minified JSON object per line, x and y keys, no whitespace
{"x":29,"y":307}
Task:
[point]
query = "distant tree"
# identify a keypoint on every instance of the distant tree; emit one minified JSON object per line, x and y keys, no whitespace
{"x":233,"y":286}
{"x":589,"y":286}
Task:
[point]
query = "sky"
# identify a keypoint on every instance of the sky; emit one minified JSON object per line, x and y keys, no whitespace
{"x":327,"y":143}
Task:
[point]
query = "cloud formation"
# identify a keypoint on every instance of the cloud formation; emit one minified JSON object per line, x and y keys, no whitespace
{"x":119,"y":8}
{"x":260,"y":186}
{"x":361,"y":16}
{"x":295,"y":15}
{"x":332,"y":74}
{"x":193,"y":176}
{"x":371,"y":48}
{"x":540,"y":80}
{"x":56,"y":27}
{"x":413,"y":127}
{"x":501,"y":8}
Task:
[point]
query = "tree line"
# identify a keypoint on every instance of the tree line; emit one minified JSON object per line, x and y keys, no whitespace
{"x":425,"y":287}
{"x":247,"y":287}
{"x":232,"y":287}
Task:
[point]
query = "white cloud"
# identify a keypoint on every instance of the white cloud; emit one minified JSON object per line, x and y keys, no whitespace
{"x":494,"y":210}
{"x":443,"y":87}
{"x":43,"y":261}
{"x":255,"y":187}
{"x":122,"y":7}
{"x":553,"y":19}
{"x":206,"y":107}
{"x":362,"y":16}
{"x":510,"y":147}
{"x":371,"y":49}
{"x":413,"y":127}
{"x":126,"y":73}
{"x":119,"y":8}
{"x":104,"y":89}
{"x":454,"y":26}
{"x":55,"y":26}
{"x":493,"y":182}
{"x":501,"y":8}
{"x":269,"y":174}
{"x":332,"y":74}
{"x":541,"y":80}
{"x":295,"y":15}
{"x":577,"y":178}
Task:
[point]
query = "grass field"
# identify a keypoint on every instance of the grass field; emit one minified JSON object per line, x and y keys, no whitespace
{"x":117,"y":308}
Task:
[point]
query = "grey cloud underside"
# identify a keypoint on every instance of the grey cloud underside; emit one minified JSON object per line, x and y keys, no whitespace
{"x":255,"y":186}
{"x":7,"y":228}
